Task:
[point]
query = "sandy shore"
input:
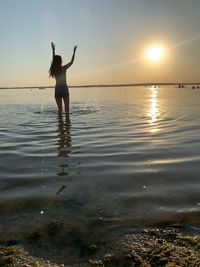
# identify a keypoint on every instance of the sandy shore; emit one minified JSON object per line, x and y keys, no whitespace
{"x":56,"y":245}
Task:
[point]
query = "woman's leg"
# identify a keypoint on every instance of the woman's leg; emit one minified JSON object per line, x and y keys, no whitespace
{"x":66,"y":101}
{"x":59,"y":103}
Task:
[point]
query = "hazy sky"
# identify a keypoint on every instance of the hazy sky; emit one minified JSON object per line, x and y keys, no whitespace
{"x":112,"y":38}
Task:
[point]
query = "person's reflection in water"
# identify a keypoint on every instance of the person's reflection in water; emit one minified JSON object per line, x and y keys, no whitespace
{"x":64,"y":141}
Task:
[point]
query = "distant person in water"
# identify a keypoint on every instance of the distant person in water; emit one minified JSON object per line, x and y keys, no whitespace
{"x":58,"y":71}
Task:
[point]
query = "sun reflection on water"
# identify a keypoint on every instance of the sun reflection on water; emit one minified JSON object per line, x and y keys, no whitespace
{"x":153,"y":111}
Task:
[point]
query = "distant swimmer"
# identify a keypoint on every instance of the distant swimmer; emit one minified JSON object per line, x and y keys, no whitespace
{"x":58,"y":71}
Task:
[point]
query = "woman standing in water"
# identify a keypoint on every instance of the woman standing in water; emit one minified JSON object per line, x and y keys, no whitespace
{"x":58,"y":71}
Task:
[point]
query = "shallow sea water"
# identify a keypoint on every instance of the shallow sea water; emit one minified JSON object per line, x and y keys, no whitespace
{"x":130,"y":156}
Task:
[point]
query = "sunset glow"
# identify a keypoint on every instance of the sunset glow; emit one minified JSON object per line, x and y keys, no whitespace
{"x":155,"y":54}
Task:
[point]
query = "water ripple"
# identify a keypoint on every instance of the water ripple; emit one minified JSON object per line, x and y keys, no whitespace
{"x":122,"y":156}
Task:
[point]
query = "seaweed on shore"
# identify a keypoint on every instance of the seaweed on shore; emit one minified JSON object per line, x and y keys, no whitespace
{"x":16,"y":256}
{"x":92,"y":245}
{"x":154,"y":247}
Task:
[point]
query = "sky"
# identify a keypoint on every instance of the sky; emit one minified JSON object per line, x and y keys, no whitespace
{"x":113,"y":37}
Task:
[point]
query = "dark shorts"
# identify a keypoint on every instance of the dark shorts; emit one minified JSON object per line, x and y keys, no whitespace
{"x":61,"y":91}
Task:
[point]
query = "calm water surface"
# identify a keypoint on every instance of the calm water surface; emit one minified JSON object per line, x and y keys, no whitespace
{"x":128,"y":155}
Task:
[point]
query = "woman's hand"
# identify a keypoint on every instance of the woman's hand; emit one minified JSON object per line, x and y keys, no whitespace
{"x":53,"y":45}
{"x":75,"y":47}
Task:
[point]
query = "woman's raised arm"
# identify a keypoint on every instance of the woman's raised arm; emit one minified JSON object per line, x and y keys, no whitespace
{"x":53,"y":46}
{"x":72,"y":59}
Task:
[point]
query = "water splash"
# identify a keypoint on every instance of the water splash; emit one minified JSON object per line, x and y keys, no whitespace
{"x":91,"y":102}
{"x":44,"y":100}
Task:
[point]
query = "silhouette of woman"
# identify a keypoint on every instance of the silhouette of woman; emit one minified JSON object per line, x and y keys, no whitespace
{"x":58,"y":71}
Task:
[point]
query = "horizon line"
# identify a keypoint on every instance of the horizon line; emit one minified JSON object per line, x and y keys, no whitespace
{"x":102,"y":85}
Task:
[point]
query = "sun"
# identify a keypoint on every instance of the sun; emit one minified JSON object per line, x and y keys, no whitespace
{"x":155,"y":53}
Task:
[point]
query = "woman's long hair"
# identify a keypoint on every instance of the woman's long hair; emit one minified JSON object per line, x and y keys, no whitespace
{"x":56,"y":66}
